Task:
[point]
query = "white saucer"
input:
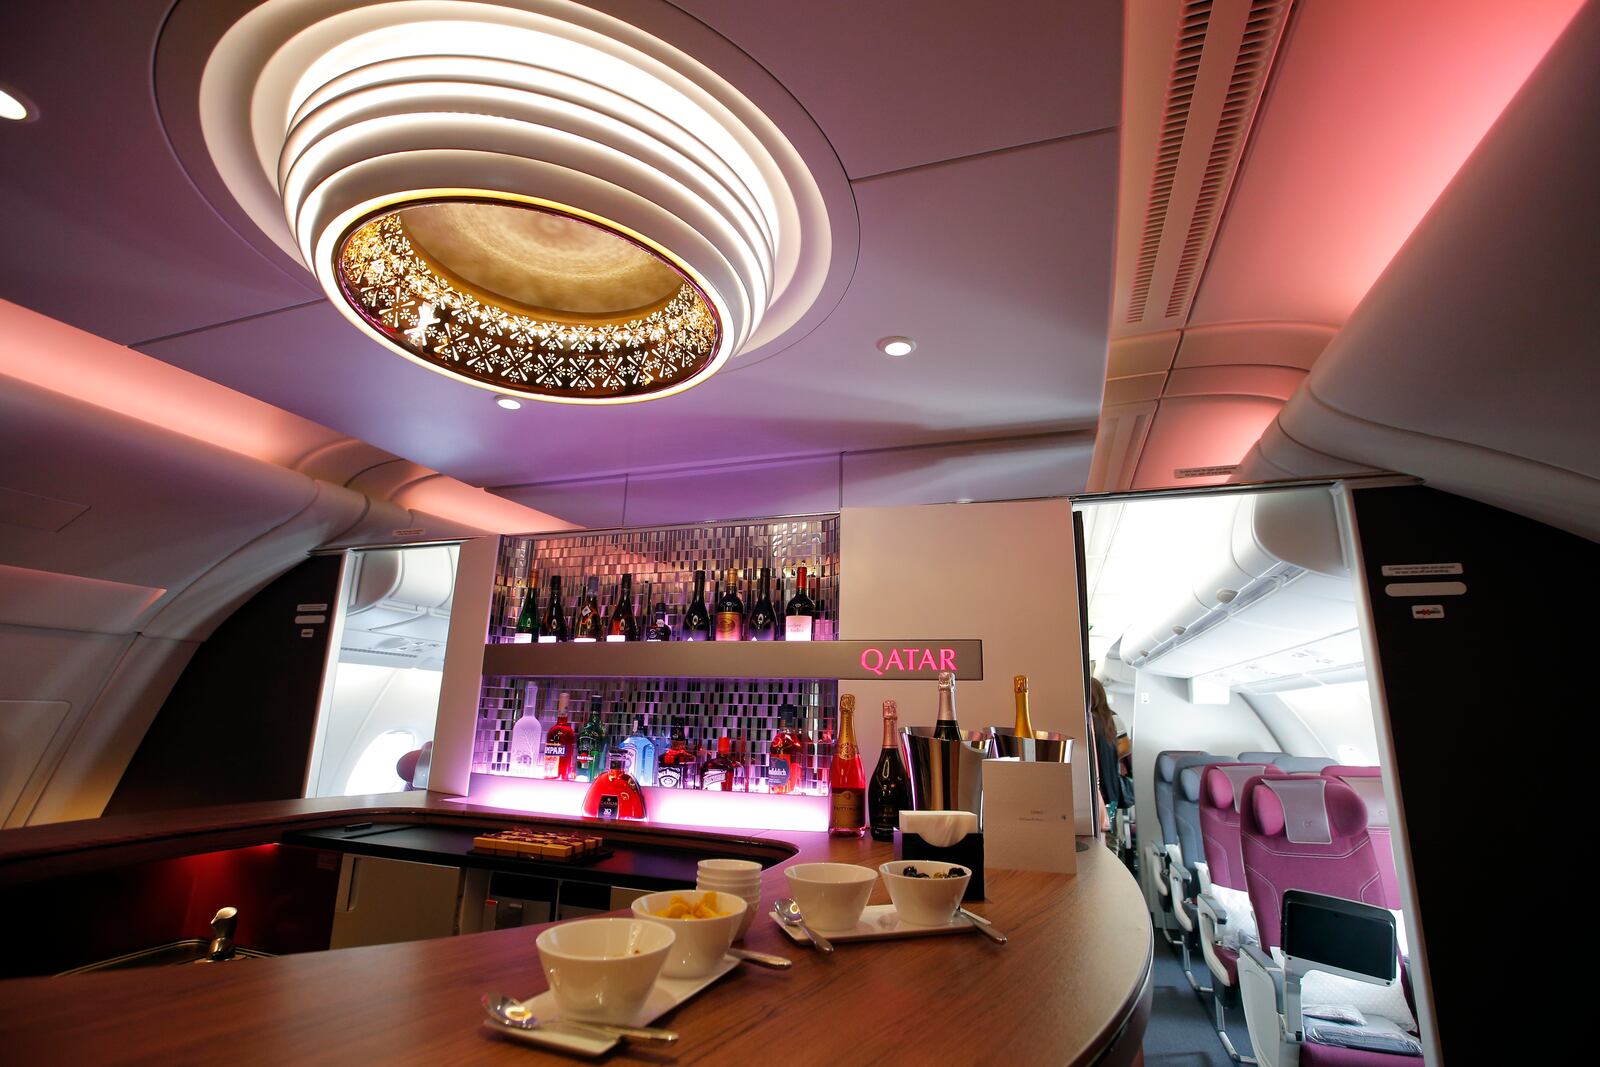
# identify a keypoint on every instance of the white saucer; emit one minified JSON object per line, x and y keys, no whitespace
{"x":879,"y":922}
{"x":667,"y":994}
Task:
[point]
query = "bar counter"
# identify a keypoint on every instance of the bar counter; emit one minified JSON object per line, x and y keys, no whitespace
{"x":1071,"y":987}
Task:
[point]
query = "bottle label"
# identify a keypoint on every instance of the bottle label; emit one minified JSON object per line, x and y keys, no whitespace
{"x":616,"y":637}
{"x":668,"y":776}
{"x":557,"y":750}
{"x":522,"y":639}
{"x":728,"y":626}
{"x":714,"y":778}
{"x":778,"y":773}
{"x":608,"y":805}
{"x":547,"y":639}
{"x":797,"y":628}
{"x":849,"y":810}
{"x":583,"y":640}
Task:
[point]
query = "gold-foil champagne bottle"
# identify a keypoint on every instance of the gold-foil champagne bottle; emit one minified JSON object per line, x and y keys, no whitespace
{"x":1019,"y":685}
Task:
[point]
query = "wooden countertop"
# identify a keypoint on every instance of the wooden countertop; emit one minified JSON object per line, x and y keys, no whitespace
{"x":1072,"y":986}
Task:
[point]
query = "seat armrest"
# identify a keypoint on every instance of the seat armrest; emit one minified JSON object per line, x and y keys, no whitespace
{"x":1261,"y":959}
{"x":1203,"y":872}
{"x":1210,"y":905}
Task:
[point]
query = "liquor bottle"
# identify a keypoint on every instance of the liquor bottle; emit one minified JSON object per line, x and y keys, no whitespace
{"x":527,"y":739}
{"x":697,"y":620}
{"x":762,"y":619}
{"x":803,"y":753}
{"x":586,"y":625}
{"x":1019,"y":685}
{"x":591,"y":744}
{"x":847,"y":782}
{"x":528,"y":617}
{"x":660,"y":629}
{"x":719,"y":771}
{"x":559,"y":742}
{"x":730,"y":612}
{"x":640,"y":754}
{"x":783,"y":755}
{"x":624,"y":627}
{"x":670,"y":770}
{"x":800,"y":613}
{"x":945,"y":727}
{"x":889,"y":792}
{"x":615,"y":793}
{"x":554,"y":626}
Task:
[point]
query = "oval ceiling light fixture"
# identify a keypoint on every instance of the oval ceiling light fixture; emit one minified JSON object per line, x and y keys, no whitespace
{"x":541,"y":200}
{"x":897,"y":346}
{"x":510,"y":403}
{"x":12,"y":108}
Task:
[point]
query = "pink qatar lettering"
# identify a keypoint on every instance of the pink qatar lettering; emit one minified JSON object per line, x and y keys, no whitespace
{"x":869,"y":654}
{"x":894,"y":660}
{"x":947,"y":659}
{"x":928,"y":663}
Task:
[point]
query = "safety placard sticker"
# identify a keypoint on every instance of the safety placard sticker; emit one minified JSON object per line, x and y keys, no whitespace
{"x":1427,"y":611}
{"x":1419,"y":570}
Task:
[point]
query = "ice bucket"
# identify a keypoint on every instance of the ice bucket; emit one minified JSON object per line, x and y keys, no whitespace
{"x":1042,"y":747}
{"x":945,"y":775}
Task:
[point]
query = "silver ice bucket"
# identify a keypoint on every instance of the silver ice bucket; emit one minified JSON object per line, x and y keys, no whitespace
{"x":945,"y":775}
{"x":1042,"y":747}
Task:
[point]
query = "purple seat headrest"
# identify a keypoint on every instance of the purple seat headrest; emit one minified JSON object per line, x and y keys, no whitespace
{"x":1307,"y":810}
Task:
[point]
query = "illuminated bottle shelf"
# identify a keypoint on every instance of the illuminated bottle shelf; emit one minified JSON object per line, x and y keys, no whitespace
{"x":843,"y":660}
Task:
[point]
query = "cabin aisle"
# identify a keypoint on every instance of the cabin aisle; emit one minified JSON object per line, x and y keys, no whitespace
{"x":1180,"y":1032}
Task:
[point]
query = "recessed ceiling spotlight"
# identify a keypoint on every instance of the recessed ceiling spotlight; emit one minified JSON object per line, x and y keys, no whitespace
{"x":12,"y":108}
{"x":510,"y":403}
{"x":897,"y":346}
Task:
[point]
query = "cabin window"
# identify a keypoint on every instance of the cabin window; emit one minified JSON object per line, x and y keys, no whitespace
{"x":374,"y":771}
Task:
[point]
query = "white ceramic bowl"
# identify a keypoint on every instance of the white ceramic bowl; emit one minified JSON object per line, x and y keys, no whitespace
{"x":699,"y":944}
{"x":925,"y":901}
{"x":603,"y":969}
{"x":831,"y":895}
{"x":724,"y":867}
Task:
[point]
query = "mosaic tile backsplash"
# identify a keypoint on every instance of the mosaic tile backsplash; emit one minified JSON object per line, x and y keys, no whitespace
{"x":747,"y":711}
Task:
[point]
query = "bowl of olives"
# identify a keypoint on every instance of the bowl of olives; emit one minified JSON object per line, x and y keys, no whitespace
{"x":925,"y":893}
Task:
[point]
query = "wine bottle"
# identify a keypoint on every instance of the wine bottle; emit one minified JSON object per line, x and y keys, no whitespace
{"x":762,"y":619}
{"x":800,"y":613}
{"x":623,"y":627}
{"x":660,"y":629}
{"x":528,"y":617}
{"x":847,"y":783}
{"x":591,"y":744}
{"x":527,"y":739}
{"x":586,"y":626}
{"x":889,"y":792}
{"x":559,"y":742}
{"x":1019,"y":685}
{"x":730,"y":611}
{"x":554,"y":626}
{"x":640,"y":754}
{"x":946,"y":727}
{"x":697,"y":620}
{"x":718,"y":772}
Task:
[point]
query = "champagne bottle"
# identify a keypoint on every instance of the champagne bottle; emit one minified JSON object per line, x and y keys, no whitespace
{"x":762,"y":619}
{"x":800,"y":613}
{"x":889,"y":792}
{"x":528,"y":617}
{"x":697,"y":620}
{"x":847,"y":783}
{"x":730,"y":611}
{"x":946,"y":727}
{"x":554,"y":626}
{"x":1019,"y":685}
{"x":623,"y":627}
{"x":586,"y":625}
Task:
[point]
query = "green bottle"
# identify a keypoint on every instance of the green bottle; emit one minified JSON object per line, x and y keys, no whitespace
{"x":528,"y":617}
{"x":591,"y":745}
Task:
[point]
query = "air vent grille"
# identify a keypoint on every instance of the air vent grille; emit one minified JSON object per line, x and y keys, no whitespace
{"x":1211,"y":94}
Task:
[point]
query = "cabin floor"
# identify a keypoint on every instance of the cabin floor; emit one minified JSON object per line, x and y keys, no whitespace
{"x":1180,"y":1033}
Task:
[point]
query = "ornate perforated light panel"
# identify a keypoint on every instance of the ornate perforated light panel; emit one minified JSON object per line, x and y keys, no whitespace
{"x":417,"y":303}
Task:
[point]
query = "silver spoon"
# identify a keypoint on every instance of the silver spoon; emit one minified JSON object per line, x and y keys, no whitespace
{"x":984,"y":926}
{"x":762,"y":959}
{"x":788,"y":913}
{"x":514,"y":1012}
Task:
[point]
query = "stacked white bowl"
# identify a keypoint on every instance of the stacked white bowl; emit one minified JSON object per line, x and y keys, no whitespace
{"x":739,"y":878}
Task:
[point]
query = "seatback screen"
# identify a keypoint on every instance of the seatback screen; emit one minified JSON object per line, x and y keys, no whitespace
{"x":1339,"y":933}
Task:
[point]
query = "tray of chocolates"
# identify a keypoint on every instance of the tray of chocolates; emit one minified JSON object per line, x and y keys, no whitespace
{"x":547,"y":846}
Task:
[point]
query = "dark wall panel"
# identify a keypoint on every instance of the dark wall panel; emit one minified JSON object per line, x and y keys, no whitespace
{"x":237,"y":726}
{"x":1485,"y":727}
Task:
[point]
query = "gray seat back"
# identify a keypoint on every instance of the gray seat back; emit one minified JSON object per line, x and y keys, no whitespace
{"x":1302,"y":764}
{"x":1166,"y":776}
{"x":1186,"y":806}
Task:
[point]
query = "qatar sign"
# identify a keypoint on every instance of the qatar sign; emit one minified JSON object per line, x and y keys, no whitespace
{"x":895,"y":662}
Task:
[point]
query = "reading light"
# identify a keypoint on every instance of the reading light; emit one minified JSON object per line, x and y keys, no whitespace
{"x":12,"y":108}
{"x":510,"y":403}
{"x":897,"y":346}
